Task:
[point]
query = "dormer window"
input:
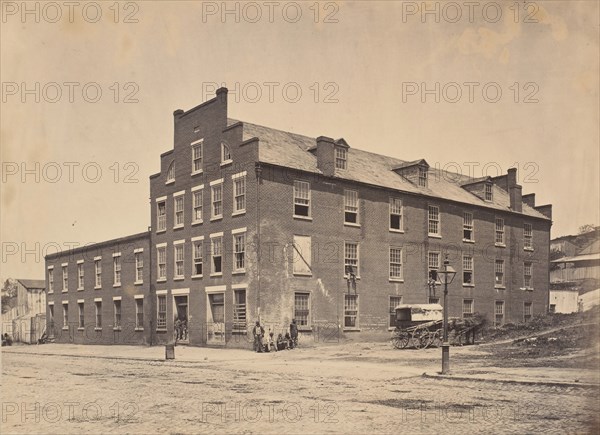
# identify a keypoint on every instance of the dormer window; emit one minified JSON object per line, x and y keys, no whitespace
{"x":225,"y":153}
{"x":171,"y":172}
{"x":341,"y":158}
{"x":488,"y":193}
{"x":422,"y":176}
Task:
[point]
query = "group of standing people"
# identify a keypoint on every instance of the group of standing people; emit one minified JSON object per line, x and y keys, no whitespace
{"x":267,"y":343}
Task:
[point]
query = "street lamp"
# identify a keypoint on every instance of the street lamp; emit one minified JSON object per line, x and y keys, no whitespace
{"x":446,"y":276}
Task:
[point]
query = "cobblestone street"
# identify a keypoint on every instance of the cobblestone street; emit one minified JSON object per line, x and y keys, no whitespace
{"x":337,"y":389}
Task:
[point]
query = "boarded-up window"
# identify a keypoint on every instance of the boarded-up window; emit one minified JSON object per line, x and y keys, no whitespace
{"x":301,"y":255}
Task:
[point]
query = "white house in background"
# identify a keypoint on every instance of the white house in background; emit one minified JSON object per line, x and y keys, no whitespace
{"x":564,"y":301}
{"x":589,"y":300}
{"x":26,"y":321}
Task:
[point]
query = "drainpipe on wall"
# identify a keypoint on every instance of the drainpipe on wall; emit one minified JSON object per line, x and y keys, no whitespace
{"x":258,"y":171}
{"x":151,"y":286}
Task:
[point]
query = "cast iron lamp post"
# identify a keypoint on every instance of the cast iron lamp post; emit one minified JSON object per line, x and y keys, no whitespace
{"x":447,"y":275}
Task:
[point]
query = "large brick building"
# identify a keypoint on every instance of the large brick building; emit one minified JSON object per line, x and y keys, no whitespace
{"x":249,"y":222}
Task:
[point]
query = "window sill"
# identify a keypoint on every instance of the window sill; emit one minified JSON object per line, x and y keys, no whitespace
{"x":226,"y":162}
{"x":528,"y":249}
{"x":351,"y":329}
{"x":116,"y":328}
{"x":178,"y":227}
{"x":97,"y":287}
{"x":161,"y":231}
{"x":138,"y":329}
{"x":468,"y":241}
{"x":196,"y":276}
{"x":169,"y":182}
{"x":216,"y":218}
{"x":197,"y":172}
{"x":117,"y":285}
{"x":356,"y":277}
{"x":527,"y":289}
{"x":79,"y":289}
{"x":197,"y":222}
{"x":216,"y":274}
{"x":396,"y":279}
{"x":351,"y":224}
{"x":434,"y":236}
{"x":138,"y":283}
{"x":238,"y":213}
{"x":65,"y":291}
{"x":178,"y":278}
{"x":65,"y":328}
{"x":500,"y":245}
{"x":305,"y":329}
{"x":81,"y":329}
{"x":468,"y":285}
{"x":500,"y":287}
{"x":395,"y":230}
{"x":239,"y":272}
{"x":161,"y":329}
{"x":51,"y":292}
{"x":161,"y":280}
{"x":97,"y":328}
{"x":302,"y":218}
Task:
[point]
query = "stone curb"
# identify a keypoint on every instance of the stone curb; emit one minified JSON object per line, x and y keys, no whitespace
{"x":512,"y":381}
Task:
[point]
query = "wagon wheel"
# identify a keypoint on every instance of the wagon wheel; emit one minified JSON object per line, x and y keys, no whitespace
{"x":400,"y":340}
{"x":419,"y":338}
{"x":428,"y":339}
{"x":436,"y":339}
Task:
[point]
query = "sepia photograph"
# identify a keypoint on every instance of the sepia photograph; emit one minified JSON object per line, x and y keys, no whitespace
{"x":300,"y":217}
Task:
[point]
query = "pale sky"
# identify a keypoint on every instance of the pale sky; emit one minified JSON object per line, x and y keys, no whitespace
{"x":369,"y":68}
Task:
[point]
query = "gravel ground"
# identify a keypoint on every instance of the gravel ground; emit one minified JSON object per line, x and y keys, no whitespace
{"x":347,"y":388}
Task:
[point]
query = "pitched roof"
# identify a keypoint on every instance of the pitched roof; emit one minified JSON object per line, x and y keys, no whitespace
{"x":576,"y":258}
{"x":290,"y":150}
{"x":33,"y":283}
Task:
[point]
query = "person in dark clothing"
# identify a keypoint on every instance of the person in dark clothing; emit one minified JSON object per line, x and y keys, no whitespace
{"x":281,"y":343}
{"x":259,"y":333}
{"x":294,"y":333}
{"x":289,"y":341}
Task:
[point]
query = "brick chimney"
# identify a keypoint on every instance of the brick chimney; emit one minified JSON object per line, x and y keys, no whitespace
{"x":325,"y":152}
{"x":515,"y":191}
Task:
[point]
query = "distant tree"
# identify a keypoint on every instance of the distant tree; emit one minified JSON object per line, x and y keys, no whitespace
{"x":9,"y":294}
{"x":586,"y":228}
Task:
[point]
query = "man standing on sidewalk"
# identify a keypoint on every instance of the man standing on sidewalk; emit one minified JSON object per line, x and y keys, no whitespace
{"x":258,"y":332}
{"x":294,"y":333}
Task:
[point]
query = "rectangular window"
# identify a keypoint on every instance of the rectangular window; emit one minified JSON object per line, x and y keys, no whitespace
{"x":117,"y":312}
{"x":499,"y":269}
{"x":80,"y":280}
{"x":65,"y":316}
{"x":301,"y":256}
{"x":179,"y":256}
{"x":239,"y":251}
{"x":139,"y":313}
{"x":217,"y":255}
{"x":98,"y":305}
{"x":179,"y":207}
{"x":499,"y":313}
{"x":396,"y":214}
{"x":394,"y":302}
{"x":467,"y":308}
{"x":527,"y":237}
{"x":51,"y":318}
{"x":527,"y":311}
{"x":239,"y":311}
{"x":81,"y":315}
{"x":341,"y":157}
{"x":139,"y":267}
{"x":468,"y":277}
{"x":302,"y":309}
{"x":301,"y":198}
{"x":239,"y":194}
{"x":423,"y":177}
{"x":527,"y":275}
{"x":350,"y":206}
{"x":162,"y":262}
{"x":197,"y":157}
{"x":117,"y":269}
{"x":433,"y":216}
{"x":50,"y":280}
{"x":351,"y":257}
{"x":468,"y":226}
{"x":98,"y":273}
{"x":217,"y":201}
{"x":197,"y":198}
{"x":351,"y":311}
{"x":434,"y":300}
{"x":161,"y":319}
{"x":396,"y":264}
{"x":488,"y":192}
{"x":65,"y":279}
{"x":499,"y":231}
{"x":433,"y":263}
{"x":198,"y":248}
{"x":161,"y":216}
